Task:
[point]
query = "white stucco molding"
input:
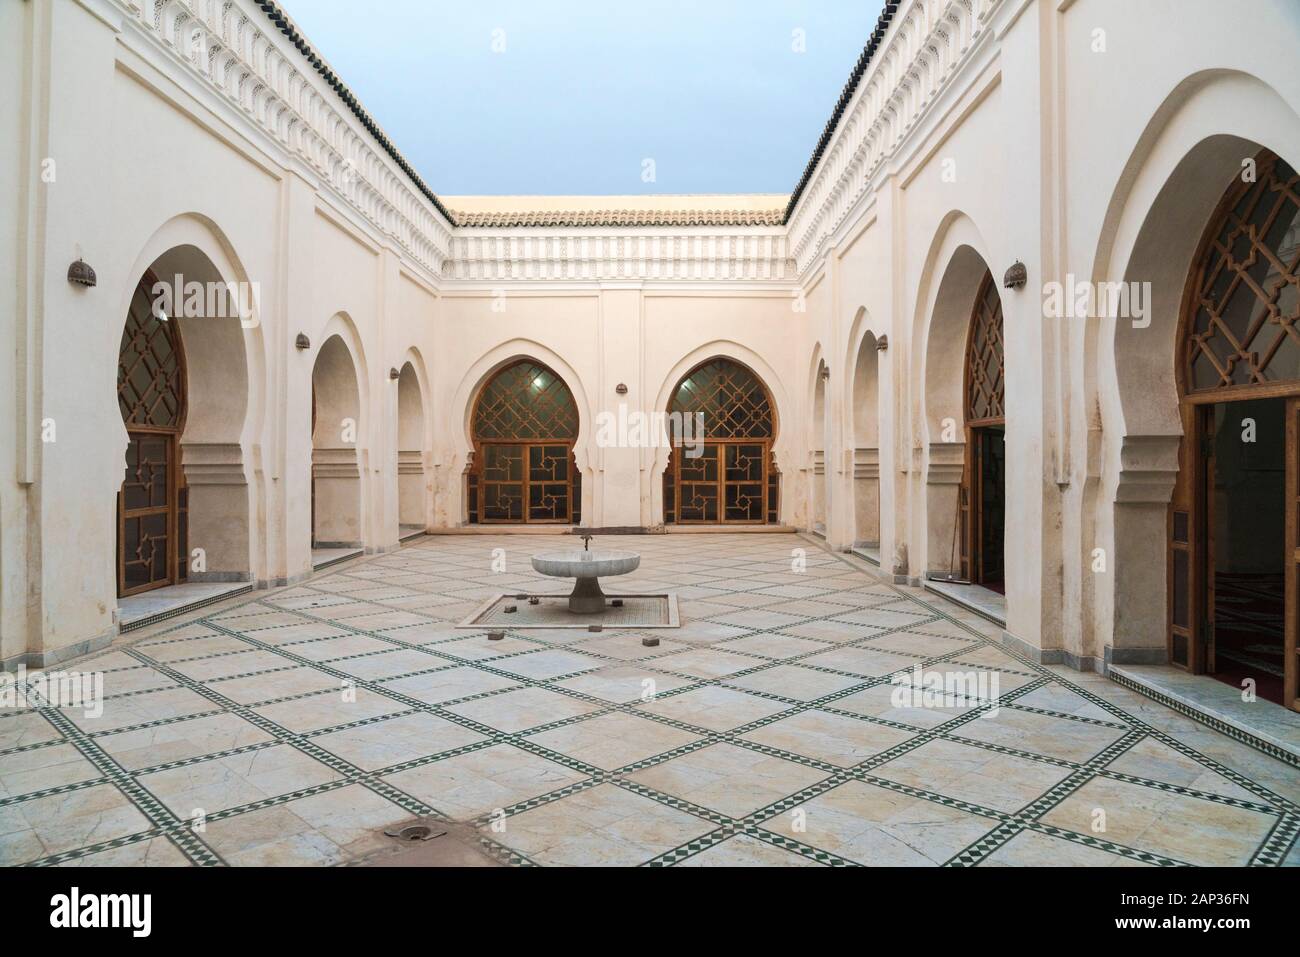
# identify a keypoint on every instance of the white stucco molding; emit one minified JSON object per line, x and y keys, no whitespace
{"x":731,"y":254}
{"x":927,"y":43}
{"x":235,"y":49}
{"x":866,"y":463}
{"x":1148,"y":468}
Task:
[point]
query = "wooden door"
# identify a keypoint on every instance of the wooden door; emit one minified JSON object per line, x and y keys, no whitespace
{"x":729,"y":483}
{"x":526,"y":482}
{"x":1291,"y":637}
{"x":147,"y":514}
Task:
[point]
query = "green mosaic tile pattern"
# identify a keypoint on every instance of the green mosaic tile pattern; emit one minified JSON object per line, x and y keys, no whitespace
{"x":294,"y":727}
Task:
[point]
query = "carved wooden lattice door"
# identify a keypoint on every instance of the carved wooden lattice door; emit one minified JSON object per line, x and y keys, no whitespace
{"x":153,"y":501}
{"x":980,"y":501}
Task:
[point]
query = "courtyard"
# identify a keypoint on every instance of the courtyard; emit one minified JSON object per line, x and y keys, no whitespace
{"x":296,"y":726}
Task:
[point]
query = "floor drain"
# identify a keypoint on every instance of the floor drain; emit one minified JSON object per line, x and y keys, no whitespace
{"x":410,"y":833}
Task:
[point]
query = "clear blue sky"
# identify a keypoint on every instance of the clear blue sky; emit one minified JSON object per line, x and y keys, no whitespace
{"x":711,"y":90}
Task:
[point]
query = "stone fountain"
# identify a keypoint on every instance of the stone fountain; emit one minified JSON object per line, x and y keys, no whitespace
{"x":587,"y":567}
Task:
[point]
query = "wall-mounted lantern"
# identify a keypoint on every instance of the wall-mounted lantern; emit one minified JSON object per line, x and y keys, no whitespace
{"x":394,"y":374}
{"x":882,"y":344}
{"x":1016,"y":275}
{"x":826,"y":372}
{"x":302,"y":342}
{"x":621,"y":389}
{"x":81,"y":274}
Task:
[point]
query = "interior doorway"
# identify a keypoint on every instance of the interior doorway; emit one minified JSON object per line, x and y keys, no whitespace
{"x":1244,"y":447}
{"x":989,"y":491}
{"x":152,"y":505}
{"x":1234,"y":516}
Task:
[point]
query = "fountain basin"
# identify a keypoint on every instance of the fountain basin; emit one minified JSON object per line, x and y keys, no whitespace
{"x":579,"y":564}
{"x":586,"y":567}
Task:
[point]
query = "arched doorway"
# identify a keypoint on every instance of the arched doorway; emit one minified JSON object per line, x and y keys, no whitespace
{"x":1234,"y":564}
{"x":820,"y":488}
{"x":411,"y":498}
{"x":982,"y":497}
{"x":335,"y":467}
{"x":866,"y":445}
{"x":152,"y":505}
{"x":524,"y":426}
{"x":727,"y":474}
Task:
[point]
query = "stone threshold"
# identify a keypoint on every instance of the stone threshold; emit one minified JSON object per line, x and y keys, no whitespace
{"x":871,"y":555}
{"x":984,"y":602}
{"x":689,"y":529}
{"x":140,"y":611}
{"x":325,"y":557}
{"x":409,"y":533}
{"x":1261,"y":724}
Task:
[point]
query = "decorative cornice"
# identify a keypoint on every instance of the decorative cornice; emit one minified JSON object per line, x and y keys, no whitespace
{"x":281,"y":20}
{"x":912,"y":55}
{"x":742,"y":254}
{"x":846,"y":95}
{"x":220,"y":43}
{"x":641,"y":218}
{"x":895,"y":82}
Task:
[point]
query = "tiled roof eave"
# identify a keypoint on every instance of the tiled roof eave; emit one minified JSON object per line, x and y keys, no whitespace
{"x":846,"y":95}
{"x":635,"y":218}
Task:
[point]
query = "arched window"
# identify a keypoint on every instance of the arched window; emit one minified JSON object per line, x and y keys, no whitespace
{"x":153,"y":501}
{"x":1233,"y":569}
{"x":982,"y":498}
{"x":524,"y":426}
{"x":729,"y":475}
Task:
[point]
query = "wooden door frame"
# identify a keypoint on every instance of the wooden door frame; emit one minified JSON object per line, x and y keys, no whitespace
{"x":480,"y":460}
{"x":1206,"y":471}
{"x":721,"y":483}
{"x":1291,"y":635}
{"x":1197,"y":411}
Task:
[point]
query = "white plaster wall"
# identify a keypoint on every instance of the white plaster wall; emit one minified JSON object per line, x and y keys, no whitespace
{"x":1029,"y":145}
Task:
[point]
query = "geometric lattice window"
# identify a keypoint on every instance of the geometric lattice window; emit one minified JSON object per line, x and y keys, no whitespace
{"x":734,"y":402}
{"x":150,"y":377}
{"x":732,"y":477}
{"x":985,"y":378}
{"x":526,"y":401}
{"x":525,"y":423}
{"x":1245,"y":302}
